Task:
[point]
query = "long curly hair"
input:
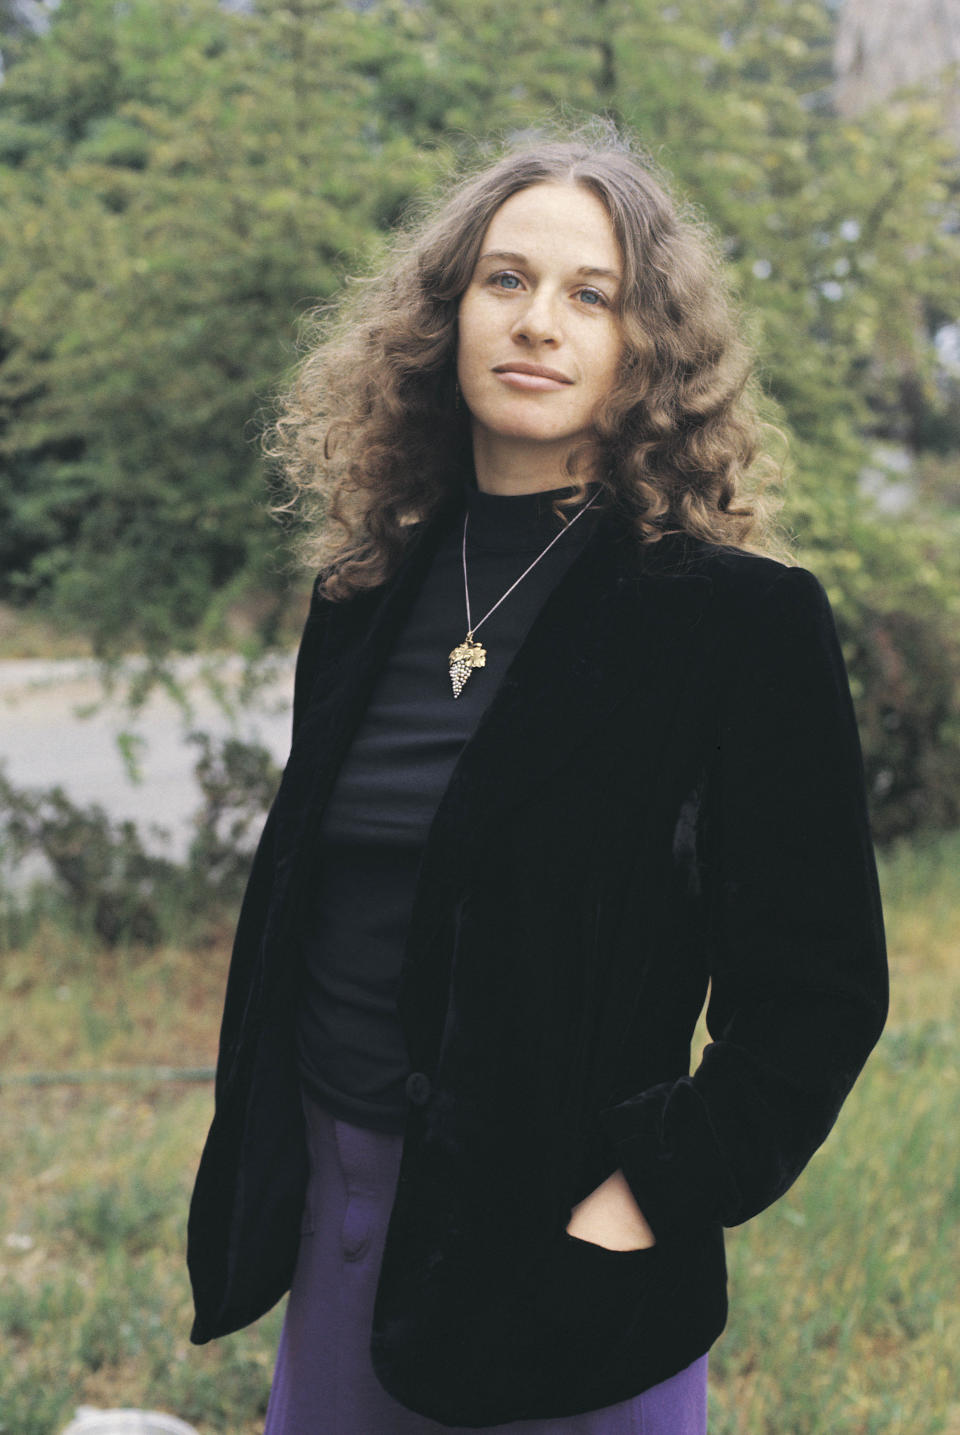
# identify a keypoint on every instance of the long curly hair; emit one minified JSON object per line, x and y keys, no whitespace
{"x":370,"y":438}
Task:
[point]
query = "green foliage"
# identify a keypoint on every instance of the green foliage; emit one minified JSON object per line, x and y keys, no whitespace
{"x":103,"y":880}
{"x":107,"y":880}
{"x":173,"y":210}
{"x":237,"y":780}
{"x":895,"y":590}
{"x":178,"y":181}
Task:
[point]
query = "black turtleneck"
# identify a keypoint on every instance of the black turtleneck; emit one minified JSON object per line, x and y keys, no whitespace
{"x":352,"y":1054}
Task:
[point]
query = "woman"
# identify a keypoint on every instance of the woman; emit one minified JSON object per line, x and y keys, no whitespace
{"x":568,"y":747}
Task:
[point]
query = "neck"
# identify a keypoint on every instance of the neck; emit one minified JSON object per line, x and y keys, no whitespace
{"x":519,"y":467}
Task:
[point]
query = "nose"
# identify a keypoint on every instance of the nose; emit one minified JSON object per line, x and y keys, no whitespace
{"x":538,"y":321}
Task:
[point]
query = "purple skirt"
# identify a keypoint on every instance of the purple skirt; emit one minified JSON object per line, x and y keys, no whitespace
{"x":324,"y":1382}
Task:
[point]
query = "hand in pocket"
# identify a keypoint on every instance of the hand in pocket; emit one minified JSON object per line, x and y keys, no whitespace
{"x":610,"y":1217}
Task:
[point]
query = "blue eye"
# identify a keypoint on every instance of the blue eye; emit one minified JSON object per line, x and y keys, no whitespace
{"x":507,"y":281}
{"x":592,"y":297}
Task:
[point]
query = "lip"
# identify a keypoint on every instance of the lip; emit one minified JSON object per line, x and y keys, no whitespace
{"x":532,"y":376}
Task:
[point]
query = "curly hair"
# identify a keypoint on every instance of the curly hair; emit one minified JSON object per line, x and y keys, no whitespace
{"x":370,"y":438}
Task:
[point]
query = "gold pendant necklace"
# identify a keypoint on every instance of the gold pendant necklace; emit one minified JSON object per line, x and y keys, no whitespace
{"x":465,"y":657}
{"x":470,"y":654}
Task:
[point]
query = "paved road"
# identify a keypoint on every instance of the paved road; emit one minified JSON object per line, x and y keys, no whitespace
{"x":46,"y":739}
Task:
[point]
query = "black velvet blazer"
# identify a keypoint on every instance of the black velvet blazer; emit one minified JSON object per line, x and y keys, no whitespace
{"x":665,"y":793}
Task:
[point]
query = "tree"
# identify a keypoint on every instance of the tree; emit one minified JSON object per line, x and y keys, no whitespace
{"x":170,"y":203}
{"x":179,"y":180}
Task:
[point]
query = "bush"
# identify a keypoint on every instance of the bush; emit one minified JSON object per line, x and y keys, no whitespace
{"x":103,"y":880}
{"x":100,"y":869}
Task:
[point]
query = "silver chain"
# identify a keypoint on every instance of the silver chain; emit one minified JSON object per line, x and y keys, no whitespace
{"x":466,"y":591}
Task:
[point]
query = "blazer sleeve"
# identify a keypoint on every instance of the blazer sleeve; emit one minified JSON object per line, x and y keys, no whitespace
{"x":309,"y":652}
{"x":798,"y":968}
{"x":259,"y":887}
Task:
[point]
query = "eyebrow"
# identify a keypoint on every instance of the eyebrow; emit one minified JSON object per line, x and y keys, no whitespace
{"x":586,"y":271}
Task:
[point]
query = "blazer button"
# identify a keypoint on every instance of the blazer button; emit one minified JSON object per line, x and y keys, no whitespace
{"x":418,"y":1087}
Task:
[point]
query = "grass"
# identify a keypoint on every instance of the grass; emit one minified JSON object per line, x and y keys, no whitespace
{"x":845,"y":1316}
{"x":94,"y":1299}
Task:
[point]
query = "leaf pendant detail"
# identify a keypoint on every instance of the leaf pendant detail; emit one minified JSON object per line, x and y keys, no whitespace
{"x":465,"y":657}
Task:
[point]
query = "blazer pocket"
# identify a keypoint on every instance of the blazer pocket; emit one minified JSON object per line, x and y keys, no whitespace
{"x":581,"y":1297}
{"x":610,"y":1250}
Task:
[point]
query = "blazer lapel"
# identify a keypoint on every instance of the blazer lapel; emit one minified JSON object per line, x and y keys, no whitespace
{"x":618,"y":626}
{"x":356,"y":643}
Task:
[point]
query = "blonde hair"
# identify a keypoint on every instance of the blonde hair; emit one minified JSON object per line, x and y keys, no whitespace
{"x":370,"y":438}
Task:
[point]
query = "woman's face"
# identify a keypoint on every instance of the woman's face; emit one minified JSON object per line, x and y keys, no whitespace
{"x":539,"y":343}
